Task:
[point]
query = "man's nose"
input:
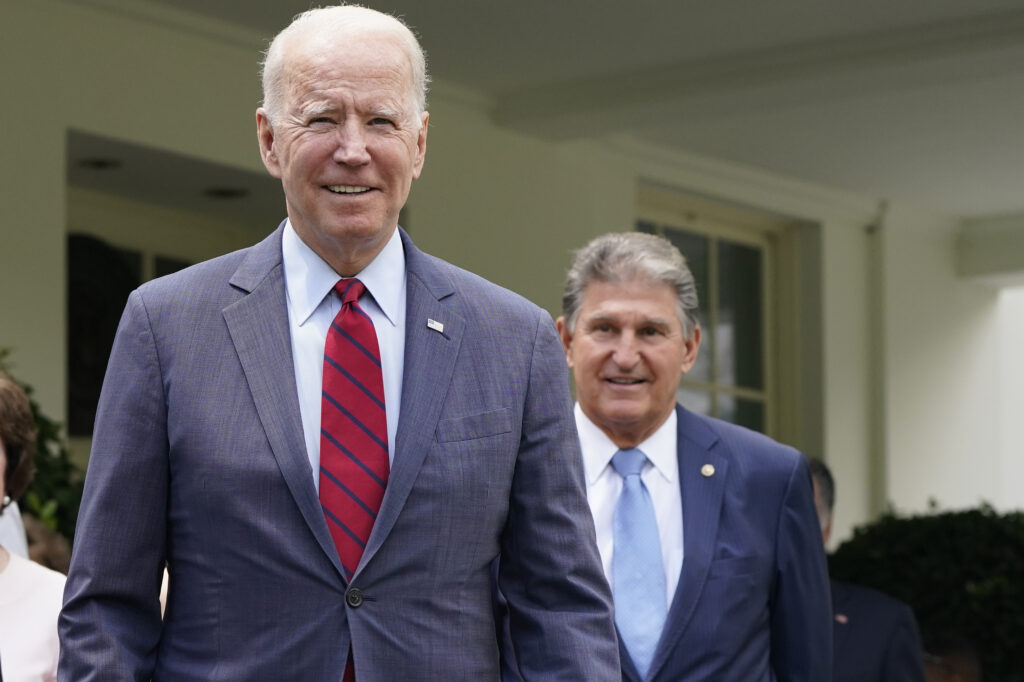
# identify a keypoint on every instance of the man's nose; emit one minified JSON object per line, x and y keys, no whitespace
{"x":626,"y":352}
{"x":351,"y":146}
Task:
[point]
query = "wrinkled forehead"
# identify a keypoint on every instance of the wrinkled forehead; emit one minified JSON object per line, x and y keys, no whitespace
{"x":635,"y":294}
{"x":353,"y":51}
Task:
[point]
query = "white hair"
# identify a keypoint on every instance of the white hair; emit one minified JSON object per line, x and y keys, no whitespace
{"x":339,"y":19}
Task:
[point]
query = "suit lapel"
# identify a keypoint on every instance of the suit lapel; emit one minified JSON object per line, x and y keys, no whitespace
{"x":629,"y":671}
{"x":703,"y":490}
{"x":429,"y":363}
{"x":258,"y":325}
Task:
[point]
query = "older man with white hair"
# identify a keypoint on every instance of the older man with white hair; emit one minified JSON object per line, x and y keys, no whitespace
{"x":340,"y":447}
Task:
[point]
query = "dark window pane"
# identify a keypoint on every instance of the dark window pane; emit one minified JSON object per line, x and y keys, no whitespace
{"x":747,"y":413}
{"x":132,"y":260}
{"x":165,"y":266}
{"x":739,"y":335}
{"x":100,"y":277}
{"x":695,"y":248}
{"x":695,"y":400}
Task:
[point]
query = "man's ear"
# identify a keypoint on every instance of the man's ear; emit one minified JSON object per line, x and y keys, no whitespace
{"x":265,"y":135}
{"x":690,"y":348}
{"x":421,"y":146}
{"x":566,"y":336}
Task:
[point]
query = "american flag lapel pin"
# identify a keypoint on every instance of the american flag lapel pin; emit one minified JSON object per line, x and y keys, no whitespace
{"x":435,"y":325}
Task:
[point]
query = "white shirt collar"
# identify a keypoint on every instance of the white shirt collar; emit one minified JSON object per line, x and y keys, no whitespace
{"x":598,"y":448}
{"x":308,"y":277}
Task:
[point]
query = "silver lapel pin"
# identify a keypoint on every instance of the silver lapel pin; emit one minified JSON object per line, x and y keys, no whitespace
{"x":435,"y":325}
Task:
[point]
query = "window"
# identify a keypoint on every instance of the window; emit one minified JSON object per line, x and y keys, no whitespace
{"x":100,"y":278}
{"x":731,"y":252}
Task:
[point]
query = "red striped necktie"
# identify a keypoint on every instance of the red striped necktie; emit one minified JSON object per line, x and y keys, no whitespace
{"x":353,"y":428}
{"x":353,"y":432}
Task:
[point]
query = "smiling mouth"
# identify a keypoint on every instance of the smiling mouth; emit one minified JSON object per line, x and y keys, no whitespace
{"x":624,"y":381}
{"x":347,"y":189}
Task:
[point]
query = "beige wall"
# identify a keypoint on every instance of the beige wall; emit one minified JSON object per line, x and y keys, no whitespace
{"x":157,"y":230}
{"x":66,"y":65}
{"x":943,"y":375}
{"x":512,"y":207}
{"x":1011,"y":361}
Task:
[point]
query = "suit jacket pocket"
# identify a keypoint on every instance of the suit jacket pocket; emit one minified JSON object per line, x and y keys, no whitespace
{"x":733,"y":567}
{"x":473,"y":426}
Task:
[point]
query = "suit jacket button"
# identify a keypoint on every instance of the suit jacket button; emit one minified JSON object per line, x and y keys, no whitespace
{"x":354,"y":597}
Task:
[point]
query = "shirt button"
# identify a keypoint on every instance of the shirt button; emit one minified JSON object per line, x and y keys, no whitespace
{"x":354,"y":597}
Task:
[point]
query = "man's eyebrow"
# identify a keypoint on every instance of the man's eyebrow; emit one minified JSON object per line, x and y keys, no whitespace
{"x":316,"y":109}
{"x":616,"y":316}
{"x":657,"y":321}
{"x":386,"y":112}
{"x":611,"y":318}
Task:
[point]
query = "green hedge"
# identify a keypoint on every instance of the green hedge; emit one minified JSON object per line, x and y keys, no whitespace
{"x":962,"y":572}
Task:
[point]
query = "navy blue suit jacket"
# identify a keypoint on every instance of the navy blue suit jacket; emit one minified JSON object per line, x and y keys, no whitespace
{"x":875,"y":637}
{"x":752,"y":603}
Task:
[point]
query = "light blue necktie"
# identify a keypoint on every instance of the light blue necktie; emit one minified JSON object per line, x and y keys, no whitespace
{"x":638,"y":576}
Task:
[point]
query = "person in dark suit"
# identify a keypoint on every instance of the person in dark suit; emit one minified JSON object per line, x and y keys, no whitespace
{"x":708,"y":535}
{"x":875,"y":637}
{"x":329,"y":438}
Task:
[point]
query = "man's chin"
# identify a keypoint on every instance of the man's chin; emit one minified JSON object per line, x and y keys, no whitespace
{"x":357,"y":230}
{"x":624,"y":416}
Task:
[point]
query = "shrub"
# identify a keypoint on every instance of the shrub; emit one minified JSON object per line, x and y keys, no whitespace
{"x":962,"y":572}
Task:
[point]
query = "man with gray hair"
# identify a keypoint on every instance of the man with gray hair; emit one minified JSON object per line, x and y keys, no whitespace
{"x":706,"y":530}
{"x":331,"y":439}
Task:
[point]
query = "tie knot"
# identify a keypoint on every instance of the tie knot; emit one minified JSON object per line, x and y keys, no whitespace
{"x":349,"y":289}
{"x":629,"y":462}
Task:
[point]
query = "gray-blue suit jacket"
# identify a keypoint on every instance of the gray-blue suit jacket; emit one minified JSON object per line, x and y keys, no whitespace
{"x":199,"y":461}
{"x":753,"y":602}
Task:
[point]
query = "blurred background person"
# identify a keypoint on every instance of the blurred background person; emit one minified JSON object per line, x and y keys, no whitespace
{"x":874,"y":637}
{"x":30,"y":594}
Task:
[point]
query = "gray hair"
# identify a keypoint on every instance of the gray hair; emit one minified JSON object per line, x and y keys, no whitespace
{"x":625,"y":256}
{"x":826,"y":486}
{"x":337,"y":18}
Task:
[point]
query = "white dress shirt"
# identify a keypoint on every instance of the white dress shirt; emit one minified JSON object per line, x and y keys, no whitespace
{"x":312,"y":305}
{"x":660,"y":476}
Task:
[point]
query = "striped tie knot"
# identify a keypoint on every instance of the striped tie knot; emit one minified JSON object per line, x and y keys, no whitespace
{"x":349,"y":290}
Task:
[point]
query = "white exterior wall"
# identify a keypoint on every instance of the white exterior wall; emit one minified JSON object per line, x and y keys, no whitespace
{"x":943,"y":375}
{"x":1010,"y":494}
